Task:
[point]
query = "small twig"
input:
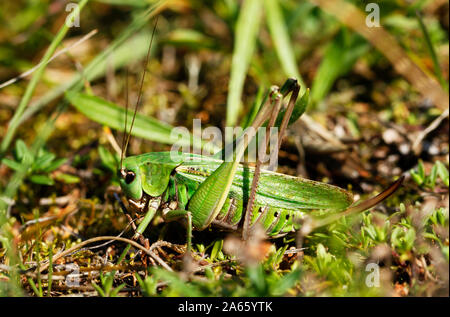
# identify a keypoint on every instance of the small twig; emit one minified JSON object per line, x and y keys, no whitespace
{"x":162,"y":243}
{"x":321,"y":131}
{"x":131,"y":223}
{"x":62,"y":200}
{"x":419,"y":138}
{"x":294,"y":251}
{"x":89,"y":241}
{"x":30,"y":71}
{"x":58,"y":275}
{"x":112,"y":140}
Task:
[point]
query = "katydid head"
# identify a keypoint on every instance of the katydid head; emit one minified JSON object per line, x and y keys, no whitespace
{"x":130,"y":182}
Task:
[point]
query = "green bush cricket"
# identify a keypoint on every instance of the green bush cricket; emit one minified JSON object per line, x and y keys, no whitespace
{"x":224,"y":193}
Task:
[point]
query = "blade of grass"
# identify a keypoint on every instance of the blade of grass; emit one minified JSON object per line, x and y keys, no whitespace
{"x":38,"y":254}
{"x":339,"y":57}
{"x":97,"y":67}
{"x":280,"y":38}
{"x":56,"y":55}
{"x":437,"y":68}
{"x":355,"y":19}
{"x":14,"y":123}
{"x":109,"y":114}
{"x":247,"y":28}
{"x":257,"y":103}
{"x":50,"y":271}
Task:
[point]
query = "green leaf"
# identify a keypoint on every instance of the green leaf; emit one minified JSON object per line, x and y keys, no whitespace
{"x":43,"y":160}
{"x":416,"y":177}
{"x":42,"y":180}
{"x":98,"y":289}
{"x":431,"y":50}
{"x":445,"y":251}
{"x":67,"y":178}
{"x":432,"y":177}
{"x":286,"y":282}
{"x":340,"y":56}
{"x":116,"y":290}
{"x":279,"y":255}
{"x":179,"y":286}
{"x":247,"y":27}
{"x":190,"y":38}
{"x":280,"y":37}
{"x":14,"y":122}
{"x":371,"y":232}
{"x":111,"y":115}
{"x":54,"y":165}
{"x":410,"y":237}
{"x":217,"y":247}
{"x":108,"y":281}
{"x":22,"y":152}
{"x":256,"y":277}
{"x":421,"y":169}
{"x":148,"y":285}
{"x":108,"y":160}
{"x":442,"y":172}
{"x":13,"y":164}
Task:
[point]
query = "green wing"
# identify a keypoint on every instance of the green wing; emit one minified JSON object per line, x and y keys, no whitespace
{"x":274,"y":189}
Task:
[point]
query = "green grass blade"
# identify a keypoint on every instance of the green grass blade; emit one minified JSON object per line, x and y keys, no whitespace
{"x":107,"y":113}
{"x":14,"y":123}
{"x":189,"y":38}
{"x":437,"y":68}
{"x":96,"y":68}
{"x":339,"y":58}
{"x":50,"y":271}
{"x":256,"y":106}
{"x":119,"y":48}
{"x":247,"y":28}
{"x":280,"y":38}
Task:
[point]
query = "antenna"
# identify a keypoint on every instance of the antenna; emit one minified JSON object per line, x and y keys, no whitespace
{"x":122,"y":154}
{"x":140,"y":93}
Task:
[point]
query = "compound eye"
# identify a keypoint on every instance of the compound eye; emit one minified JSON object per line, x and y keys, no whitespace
{"x":129,"y":177}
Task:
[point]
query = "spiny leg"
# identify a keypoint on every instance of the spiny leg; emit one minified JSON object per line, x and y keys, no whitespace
{"x":209,"y":198}
{"x":291,"y":85}
{"x":126,"y":212}
{"x":276,"y":109}
{"x":136,"y":236}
